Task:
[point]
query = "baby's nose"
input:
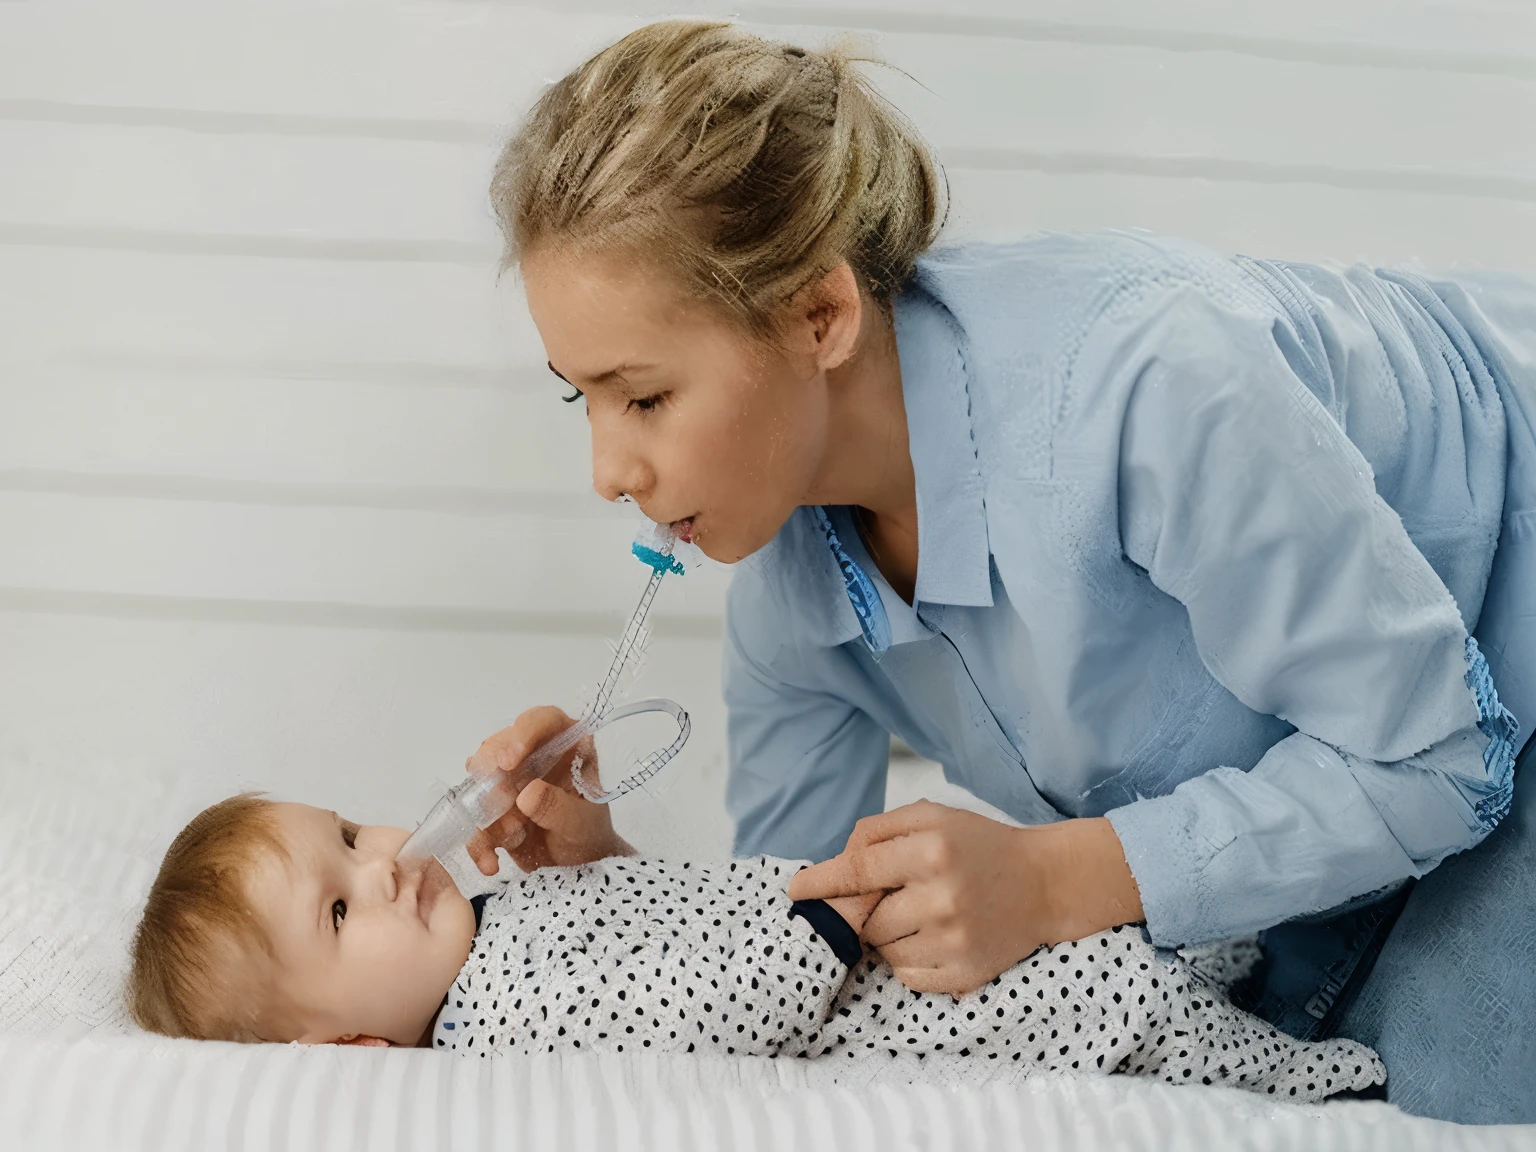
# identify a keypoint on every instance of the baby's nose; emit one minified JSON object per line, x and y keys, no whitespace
{"x":387,"y":872}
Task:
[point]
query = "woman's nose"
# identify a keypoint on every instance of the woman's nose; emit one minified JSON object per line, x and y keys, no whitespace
{"x":617,"y":470}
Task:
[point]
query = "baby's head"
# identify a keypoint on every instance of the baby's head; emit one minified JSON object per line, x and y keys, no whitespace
{"x":282,"y":922}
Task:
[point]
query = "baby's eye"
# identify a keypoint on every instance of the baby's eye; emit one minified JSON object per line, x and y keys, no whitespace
{"x":648,"y":403}
{"x":338,"y":914}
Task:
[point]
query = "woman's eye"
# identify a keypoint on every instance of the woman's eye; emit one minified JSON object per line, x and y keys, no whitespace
{"x":338,"y":914}
{"x":576,"y":394}
{"x":648,"y":403}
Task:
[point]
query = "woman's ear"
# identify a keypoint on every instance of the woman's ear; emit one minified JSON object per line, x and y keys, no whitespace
{"x":365,"y":1042}
{"x":830,"y":314}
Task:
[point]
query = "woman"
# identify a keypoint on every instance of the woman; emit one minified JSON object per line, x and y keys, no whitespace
{"x":1172,"y":558}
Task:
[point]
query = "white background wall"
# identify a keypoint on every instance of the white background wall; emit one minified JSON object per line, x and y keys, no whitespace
{"x":287,"y":498}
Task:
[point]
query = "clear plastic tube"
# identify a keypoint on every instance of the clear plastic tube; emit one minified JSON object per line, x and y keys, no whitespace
{"x":481,"y":799}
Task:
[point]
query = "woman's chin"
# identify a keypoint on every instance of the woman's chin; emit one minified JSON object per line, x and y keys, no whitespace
{"x":725,"y":547}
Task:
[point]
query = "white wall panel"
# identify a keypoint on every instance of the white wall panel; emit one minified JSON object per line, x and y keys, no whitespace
{"x":1312,"y":222}
{"x":452,"y":70}
{"x":994,"y":95}
{"x":164,"y":178}
{"x":380,"y":558}
{"x":483,"y":445}
{"x":226,"y":307}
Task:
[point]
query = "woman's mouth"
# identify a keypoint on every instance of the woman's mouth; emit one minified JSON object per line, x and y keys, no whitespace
{"x":683,"y":529}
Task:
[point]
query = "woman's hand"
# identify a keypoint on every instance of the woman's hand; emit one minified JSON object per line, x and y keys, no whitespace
{"x":968,"y":897}
{"x":551,"y":824}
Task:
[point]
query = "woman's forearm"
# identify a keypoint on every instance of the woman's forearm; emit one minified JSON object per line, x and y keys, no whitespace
{"x":1088,"y":884}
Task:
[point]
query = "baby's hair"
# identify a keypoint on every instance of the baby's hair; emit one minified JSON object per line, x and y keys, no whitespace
{"x":750,"y":167}
{"x":198,"y":922}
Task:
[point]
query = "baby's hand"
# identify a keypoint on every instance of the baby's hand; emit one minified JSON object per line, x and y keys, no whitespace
{"x":551,"y":823}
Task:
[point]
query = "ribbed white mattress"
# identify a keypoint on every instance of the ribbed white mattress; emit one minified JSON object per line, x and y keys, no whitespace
{"x":132,"y":1093}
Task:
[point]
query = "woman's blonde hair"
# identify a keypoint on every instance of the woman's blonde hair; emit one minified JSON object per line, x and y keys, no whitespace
{"x":198,"y":925}
{"x":750,"y":167}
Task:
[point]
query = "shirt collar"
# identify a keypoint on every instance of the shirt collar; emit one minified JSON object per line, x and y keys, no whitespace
{"x":954,"y":556}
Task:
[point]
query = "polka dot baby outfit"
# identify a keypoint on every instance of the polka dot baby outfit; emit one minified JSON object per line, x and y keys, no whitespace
{"x":628,"y":954}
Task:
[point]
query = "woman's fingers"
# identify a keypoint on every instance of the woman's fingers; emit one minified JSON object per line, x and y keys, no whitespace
{"x":506,"y":749}
{"x":918,"y":967}
{"x":901,"y":915}
{"x":482,"y":853}
{"x":502,"y":752}
{"x":551,"y":808}
{"x":935,"y":981}
{"x":885,"y":864}
{"x":509,"y":832}
{"x":918,"y":816}
{"x":565,"y":828}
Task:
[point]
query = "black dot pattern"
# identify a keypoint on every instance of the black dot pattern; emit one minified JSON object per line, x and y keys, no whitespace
{"x":631,"y":955}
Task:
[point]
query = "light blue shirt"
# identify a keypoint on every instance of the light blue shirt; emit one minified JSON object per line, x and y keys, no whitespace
{"x":1199,"y":542}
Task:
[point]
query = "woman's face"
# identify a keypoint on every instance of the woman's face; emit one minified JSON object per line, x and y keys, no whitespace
{"x":720,"y":435}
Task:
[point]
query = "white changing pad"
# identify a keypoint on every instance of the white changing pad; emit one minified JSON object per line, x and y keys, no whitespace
{"x":75,"y":1074}
{"x":137,"y":1093}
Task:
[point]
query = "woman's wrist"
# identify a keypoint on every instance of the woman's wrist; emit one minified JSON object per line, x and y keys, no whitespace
{"x":1088,"y":884}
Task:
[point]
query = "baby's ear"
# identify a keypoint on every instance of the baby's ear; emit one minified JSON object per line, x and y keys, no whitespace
{"x":365,"y":1042}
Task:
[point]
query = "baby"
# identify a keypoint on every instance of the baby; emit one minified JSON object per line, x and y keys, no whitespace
{"x":282,"y":922}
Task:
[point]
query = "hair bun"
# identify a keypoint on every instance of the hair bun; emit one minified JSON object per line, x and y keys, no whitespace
{"x":750,"y":167}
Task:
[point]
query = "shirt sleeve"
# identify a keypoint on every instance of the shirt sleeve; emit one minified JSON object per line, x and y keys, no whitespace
{"x":1243,"y":499}
{"x":806,"y":763}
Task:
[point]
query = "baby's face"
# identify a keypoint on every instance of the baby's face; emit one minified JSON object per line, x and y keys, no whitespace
{"x":361,"y":946}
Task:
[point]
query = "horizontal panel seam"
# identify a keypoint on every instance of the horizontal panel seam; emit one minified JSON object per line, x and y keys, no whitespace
{"x":283,"y":494}
{"x":117,"y":362}
{"x":325,"y":614}
{"x":175,"y":243}
{"x":232,"y":122}
{"x":1241,"y":171}
{"x":1330,"y":53}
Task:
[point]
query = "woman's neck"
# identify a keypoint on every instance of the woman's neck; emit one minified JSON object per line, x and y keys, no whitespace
{"x":869,"y":457}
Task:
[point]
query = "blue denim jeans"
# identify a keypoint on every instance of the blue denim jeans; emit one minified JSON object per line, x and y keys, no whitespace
{"x":1439,"y":976}
{"x":1451,"y":1001}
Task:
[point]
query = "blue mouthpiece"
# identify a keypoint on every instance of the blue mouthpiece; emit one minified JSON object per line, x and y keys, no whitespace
{"x":660,"y":561}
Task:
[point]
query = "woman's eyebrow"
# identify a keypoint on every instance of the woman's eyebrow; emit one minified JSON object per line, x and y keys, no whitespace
{"x":603,"y":377}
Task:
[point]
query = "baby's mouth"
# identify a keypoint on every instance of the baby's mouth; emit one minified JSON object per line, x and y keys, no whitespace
{"x":432,"y":880}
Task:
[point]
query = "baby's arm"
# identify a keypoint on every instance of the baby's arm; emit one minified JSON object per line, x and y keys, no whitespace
{"x":779,"y":973}
{"x":629,"y":954}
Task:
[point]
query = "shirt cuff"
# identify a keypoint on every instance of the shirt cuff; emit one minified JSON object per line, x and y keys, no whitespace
{"x":835,"y":932}
{"x":1168,"y":859}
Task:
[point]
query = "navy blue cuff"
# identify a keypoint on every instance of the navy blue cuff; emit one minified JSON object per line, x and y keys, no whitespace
{"x":834,"y":931}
